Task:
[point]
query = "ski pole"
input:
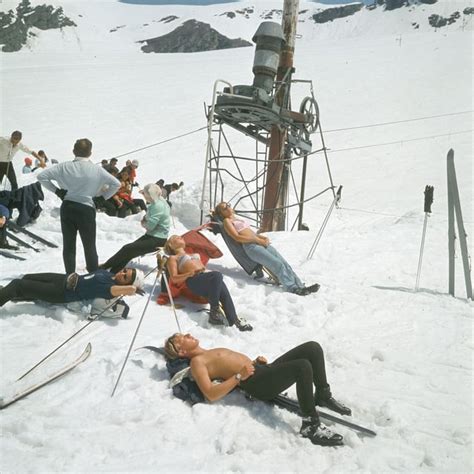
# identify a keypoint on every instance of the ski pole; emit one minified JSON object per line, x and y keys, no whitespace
{"x":336,"y":199}
{"x":171,"y":301}
{"x":136,"y":332}
{"x":95,"y":318}
{"x":428,"y":201}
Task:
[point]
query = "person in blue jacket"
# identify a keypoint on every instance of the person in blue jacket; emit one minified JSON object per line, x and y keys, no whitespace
{"x":156,"y":223}
{"x":64,"y":288}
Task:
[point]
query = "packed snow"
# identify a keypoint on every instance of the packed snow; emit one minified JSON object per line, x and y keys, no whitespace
{"x":402,"y":360}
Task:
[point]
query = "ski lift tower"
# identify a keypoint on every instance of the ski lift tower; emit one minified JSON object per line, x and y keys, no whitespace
{"x":258,"y":117}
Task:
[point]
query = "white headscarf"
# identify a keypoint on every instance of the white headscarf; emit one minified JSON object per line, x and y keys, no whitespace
{"x":152,"y":191}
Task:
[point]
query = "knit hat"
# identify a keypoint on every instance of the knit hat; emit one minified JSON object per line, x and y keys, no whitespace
{"x":28,"y":161}
{"x":135,"y":163}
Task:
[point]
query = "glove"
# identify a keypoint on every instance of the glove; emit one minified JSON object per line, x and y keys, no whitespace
{"x":61,"y":193}
{"x":135,"y":184}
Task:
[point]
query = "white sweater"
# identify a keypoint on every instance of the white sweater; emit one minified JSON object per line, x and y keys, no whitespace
{"x":82,"y":180}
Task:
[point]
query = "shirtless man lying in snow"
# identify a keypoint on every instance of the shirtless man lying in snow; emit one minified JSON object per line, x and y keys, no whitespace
{"x":303,"y":365}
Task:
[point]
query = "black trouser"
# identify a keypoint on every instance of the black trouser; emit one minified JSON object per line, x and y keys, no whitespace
{"x":80,"y":218}
{"x":140,"y":203}
{"x":145,"y":244}
{"x":211,"y":285}
{"x":105,"y":205}
{"x":3,"y":232}
{"x":7,"y":169}
{"x":126,"y":206}
{"x":303,"y":365}
{"x":48,"y":287}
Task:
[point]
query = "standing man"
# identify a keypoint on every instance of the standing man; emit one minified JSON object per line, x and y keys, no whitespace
{"x":8,"y":149}
{"x":79,"y":181}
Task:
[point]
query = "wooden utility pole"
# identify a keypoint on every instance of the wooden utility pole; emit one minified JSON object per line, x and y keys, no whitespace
{"x":276,"y":189}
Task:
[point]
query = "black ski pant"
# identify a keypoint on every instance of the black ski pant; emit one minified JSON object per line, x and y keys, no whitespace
{"x":126,"y":206}
{"x":211,"y":285}
{"x":7,"y":169}
{"x":76,"y":217}
{"x":145,"y":244}
{"x":140,"y":203}
{"x":303,"y":365}
{"x":48,"y":287}
{"x":3,"y":233}
{"x":106,"y":205}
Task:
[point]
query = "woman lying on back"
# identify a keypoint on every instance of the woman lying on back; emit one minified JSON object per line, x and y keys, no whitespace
{"x":258,"y":248}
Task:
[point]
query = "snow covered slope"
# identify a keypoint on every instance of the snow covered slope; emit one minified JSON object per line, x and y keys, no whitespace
{"x":402,"y":360}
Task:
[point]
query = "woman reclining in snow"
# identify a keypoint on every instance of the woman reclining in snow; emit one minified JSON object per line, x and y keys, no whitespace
{"x":258,"y":248}
{"x":189,"y":268}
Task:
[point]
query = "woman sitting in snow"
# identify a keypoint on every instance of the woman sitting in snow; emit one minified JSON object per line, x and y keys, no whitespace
{"x":157,"y":224}
{"x":258,"y":248}
{"x":63,"y":288}
{"x":184,"y":267}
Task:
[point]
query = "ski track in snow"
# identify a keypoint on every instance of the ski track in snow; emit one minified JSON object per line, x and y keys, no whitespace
{"x":402,"y":360}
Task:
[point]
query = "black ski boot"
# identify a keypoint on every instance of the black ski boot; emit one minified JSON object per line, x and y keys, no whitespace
{"x":258,"y":273}
{"x":318,"y":433}
{"x":242,"y":325}
{"x":307,"y":290}
{"x":5,"y":245}
{"x":324,"y":398}
{"x":216,"y":317}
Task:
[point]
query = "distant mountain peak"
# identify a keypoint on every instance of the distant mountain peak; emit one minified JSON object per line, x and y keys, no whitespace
{"x":191,"y":36}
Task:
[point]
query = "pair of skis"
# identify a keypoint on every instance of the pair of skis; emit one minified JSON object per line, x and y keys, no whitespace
{"x":18,"y":229}
{"x":4,"y":403}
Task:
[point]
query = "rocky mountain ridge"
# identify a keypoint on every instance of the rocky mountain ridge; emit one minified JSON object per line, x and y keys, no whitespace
{"x":190,"y":37}
{"x":171,"y":29}
{"x":15,"y":26}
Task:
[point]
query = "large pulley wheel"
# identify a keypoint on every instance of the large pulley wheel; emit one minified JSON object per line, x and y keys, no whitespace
{"x":309,"y":107}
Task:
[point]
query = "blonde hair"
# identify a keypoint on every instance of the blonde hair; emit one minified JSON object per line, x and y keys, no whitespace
{"x":170,"y":349}
{"x":168,"y":248}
